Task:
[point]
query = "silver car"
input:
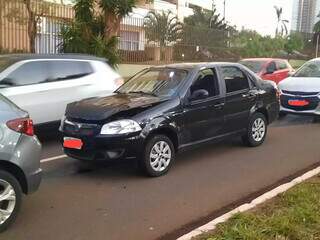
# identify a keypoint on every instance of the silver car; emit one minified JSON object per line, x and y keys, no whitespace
{"x":19,"y":160}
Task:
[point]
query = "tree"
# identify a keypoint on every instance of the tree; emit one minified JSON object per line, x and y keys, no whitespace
{"x":293,"y":43}
{"x":114,"y":11}
{"x":86,"y":33}
{"x":206,"y":19}
{"x":163,"y":28}
{"x":282,"y":28}
{"x":29,"y":13}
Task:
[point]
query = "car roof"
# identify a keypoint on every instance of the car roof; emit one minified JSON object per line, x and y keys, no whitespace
{"x":262,"y":59}
{"x":190,"y":66}
{"x":22,"y":57}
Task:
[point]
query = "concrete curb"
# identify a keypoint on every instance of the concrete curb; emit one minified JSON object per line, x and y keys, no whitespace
{"x":247,"y":206}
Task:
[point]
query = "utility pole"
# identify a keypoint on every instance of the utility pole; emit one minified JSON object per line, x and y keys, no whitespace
{"x":317,"y":47}
{"x":224,"y":10}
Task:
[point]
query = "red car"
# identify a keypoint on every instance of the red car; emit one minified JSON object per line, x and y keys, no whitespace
{"x":269,"y":68}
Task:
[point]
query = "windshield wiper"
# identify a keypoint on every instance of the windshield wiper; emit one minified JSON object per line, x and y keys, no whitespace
{"x":145,"y":93}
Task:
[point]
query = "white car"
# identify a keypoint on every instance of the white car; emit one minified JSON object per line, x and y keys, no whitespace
{"x":44,"y":84}
{"x":300,"y":93}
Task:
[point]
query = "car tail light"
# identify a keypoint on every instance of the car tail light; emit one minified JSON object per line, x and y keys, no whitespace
{"x":22,"y":125}
{"x":119,"y":82}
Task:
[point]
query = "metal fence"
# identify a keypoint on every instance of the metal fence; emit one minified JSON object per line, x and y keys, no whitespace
{"x":35,"y":26}
{"x":32,"y":25}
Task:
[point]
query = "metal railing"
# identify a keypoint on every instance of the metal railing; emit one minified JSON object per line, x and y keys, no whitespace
{"x":35,"y":26}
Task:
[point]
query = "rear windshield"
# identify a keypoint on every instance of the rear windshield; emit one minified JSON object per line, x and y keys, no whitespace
{"x":5,"y":63}
{"x":254,"y":66}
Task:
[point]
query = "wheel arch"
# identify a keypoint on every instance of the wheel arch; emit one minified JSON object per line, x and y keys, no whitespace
{"x":17,"y":172}
{"x":167,"y":131}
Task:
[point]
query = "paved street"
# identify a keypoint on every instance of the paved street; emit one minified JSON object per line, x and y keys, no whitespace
{"x":114,"y":202}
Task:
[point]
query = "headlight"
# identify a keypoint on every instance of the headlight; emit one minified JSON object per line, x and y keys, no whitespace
{"x":120,"y":127}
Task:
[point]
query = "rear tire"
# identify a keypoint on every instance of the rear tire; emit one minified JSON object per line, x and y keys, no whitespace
{"x":158,"y":156}
{"x":11,"y":195}
{"x":256,"y":131}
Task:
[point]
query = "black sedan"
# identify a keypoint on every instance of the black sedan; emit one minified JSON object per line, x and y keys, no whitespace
{"x":166,"y":109}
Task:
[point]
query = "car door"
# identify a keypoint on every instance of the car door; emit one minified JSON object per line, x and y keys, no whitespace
{"x":239,"y":98}
{"x":203,"y":116}
{"x":68,"y":81}
{"x":25,"y":88}
{"x":271,"y":72}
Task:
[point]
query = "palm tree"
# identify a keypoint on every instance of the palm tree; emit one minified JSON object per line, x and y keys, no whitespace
{"x":163,"y":28}
{"x":282,"y":28}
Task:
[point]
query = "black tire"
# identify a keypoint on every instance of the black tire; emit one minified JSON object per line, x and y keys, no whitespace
{"x":249,"y":139}
{"x":145,"y":160}
{"x":9,"y":178}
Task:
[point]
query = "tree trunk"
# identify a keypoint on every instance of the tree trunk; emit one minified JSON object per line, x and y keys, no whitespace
{"x":112,"y":28}
{"x":32,"y":26}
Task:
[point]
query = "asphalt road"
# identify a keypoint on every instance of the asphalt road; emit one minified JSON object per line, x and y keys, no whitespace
{"x":114,"y":202}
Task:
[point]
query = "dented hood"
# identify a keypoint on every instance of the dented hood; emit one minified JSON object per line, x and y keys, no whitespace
{"x":98,"y":109}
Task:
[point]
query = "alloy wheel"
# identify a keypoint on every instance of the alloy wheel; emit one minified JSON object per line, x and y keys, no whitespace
{"x":258,"y":129}
{"x":160,"y":156}
{"x":7,"y":200}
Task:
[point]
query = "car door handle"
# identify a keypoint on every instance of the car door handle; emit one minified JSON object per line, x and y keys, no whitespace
{"x":249,"y":95}
{"x":219,"y":105}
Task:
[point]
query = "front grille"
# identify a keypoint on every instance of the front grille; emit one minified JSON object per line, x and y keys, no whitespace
{"x":300,"y":93}
{"x":80,"y":129}
{"x":313,"y":102}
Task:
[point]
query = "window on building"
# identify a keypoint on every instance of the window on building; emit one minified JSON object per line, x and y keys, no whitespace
{"x":129,"y":40}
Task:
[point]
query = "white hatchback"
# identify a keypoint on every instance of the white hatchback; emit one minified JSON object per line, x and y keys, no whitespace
{"x":43,"y":85}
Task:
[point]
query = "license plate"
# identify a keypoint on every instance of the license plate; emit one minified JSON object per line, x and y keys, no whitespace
{"x":72,"y":143}
{"x":298,"y":103}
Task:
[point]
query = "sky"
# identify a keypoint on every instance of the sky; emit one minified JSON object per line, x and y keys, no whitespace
{"x":257,"y":15}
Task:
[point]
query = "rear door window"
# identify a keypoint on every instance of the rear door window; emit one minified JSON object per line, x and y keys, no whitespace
{"x":68,"y":70}
{"x":235,"y":79}
{"x":272,"y":67}
{"x":29,"y":73}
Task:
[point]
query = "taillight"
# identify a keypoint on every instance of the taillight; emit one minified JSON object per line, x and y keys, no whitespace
{"x":22,"y":125}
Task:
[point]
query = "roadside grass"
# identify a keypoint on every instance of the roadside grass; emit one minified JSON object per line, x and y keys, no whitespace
{"x":296,"y":63}
{"x":294,"y":215}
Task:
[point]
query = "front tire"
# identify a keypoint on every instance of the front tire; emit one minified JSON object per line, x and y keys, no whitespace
{"x":10,"y":199}
{"x":159,"y":154}
{"x":257,"y":130}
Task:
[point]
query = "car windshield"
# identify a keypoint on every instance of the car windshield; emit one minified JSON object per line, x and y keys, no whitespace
{"x":162,"y":82}
{"x":5,"y":63}
{"x":254,"y":66}
{"x":310,"y":69}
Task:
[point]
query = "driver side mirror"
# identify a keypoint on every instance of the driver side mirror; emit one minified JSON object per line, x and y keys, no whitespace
{"x":199,"y":94}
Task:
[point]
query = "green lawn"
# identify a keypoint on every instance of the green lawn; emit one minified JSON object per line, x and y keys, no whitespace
{"x":294,"y":215}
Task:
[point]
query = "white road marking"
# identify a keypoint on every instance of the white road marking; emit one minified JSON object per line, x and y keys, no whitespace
{"x":245,"y":207}
{"x":53,"y":158}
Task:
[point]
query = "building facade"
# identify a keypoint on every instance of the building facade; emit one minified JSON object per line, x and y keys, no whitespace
{"x":305,"y":15}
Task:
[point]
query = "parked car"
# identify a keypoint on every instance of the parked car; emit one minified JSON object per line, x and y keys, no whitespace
{"x":44,"y":84}
{"x":300,"y":92}
{"x":19,"y":160}
{"x":268,"y":68}
{"x":163,"y":110}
